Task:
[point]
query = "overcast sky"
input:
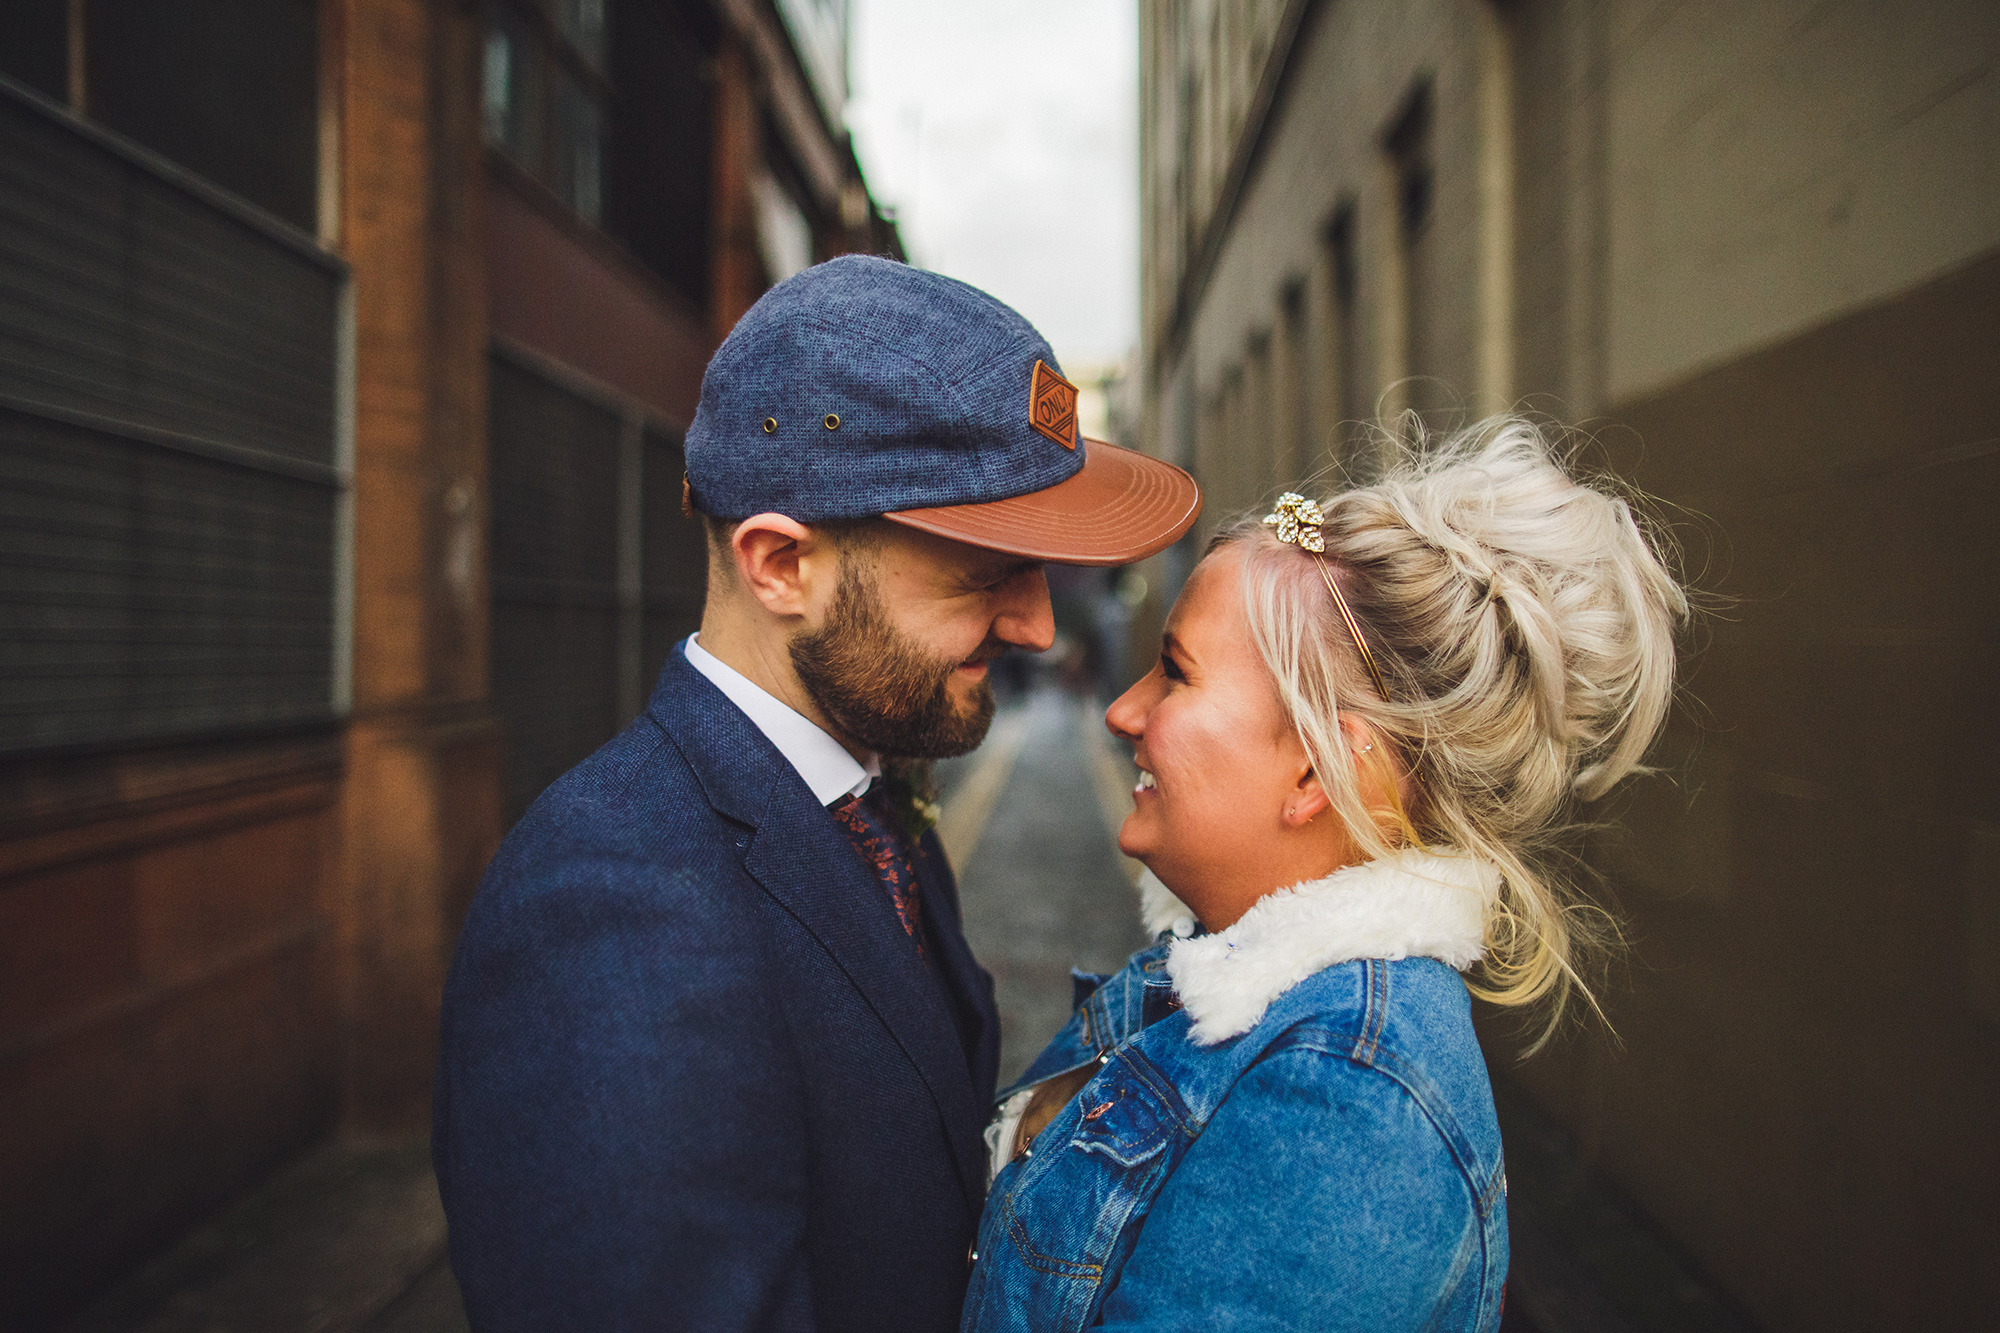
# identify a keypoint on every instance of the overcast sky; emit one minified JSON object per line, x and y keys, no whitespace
{"x":1004,"y":133}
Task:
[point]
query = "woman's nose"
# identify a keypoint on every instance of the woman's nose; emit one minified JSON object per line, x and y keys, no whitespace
{"x":1126,"y":718}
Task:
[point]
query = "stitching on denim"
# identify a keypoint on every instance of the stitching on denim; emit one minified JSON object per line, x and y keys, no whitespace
{"x":1034,"y":1258}
{"x":1494,"y":1184}
{"x":1446,"y":1127}
{"x":1461,"y":1264}
{"x":1375,"y":1013}
{"x":1148,"y":1074}
{"x":1403,"y":1074}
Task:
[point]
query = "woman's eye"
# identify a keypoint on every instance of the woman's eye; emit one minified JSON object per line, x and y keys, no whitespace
{"x":1169,"y":669}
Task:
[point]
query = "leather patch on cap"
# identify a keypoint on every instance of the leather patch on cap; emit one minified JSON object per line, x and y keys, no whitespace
{"x":1052,"y":406}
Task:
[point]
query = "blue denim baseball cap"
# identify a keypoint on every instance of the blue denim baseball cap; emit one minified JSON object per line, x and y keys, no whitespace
{"x":865,"y":387}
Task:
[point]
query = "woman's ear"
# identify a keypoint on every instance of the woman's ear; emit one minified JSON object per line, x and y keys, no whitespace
{"x":1307,"y":797}
{"x":1306,"y":801}
{"x":1360,"y":737}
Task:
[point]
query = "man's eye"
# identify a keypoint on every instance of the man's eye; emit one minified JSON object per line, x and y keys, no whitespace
{"x":1170,"y":669}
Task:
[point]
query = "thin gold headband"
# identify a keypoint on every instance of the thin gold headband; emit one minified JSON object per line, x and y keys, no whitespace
{"x":1298,"y":521}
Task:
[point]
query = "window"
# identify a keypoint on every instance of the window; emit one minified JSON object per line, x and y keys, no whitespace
{"x":226,"y":88}
{"x":658,"y":163}
{"x":1339,"y":340}
{"x":34,"y":45}
{"x":1291,"y":392}
{"x":229,"y":89}
{"x":545,"y":96}
{"x":1408,"y":144}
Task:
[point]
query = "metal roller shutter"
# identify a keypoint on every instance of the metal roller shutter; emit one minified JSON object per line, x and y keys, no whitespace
{"x":554,"y":483}
{"x":674,"y":560}
{"x":168,"y":475}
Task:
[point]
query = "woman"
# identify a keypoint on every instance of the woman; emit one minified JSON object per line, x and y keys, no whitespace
{"x":1364,"y":722}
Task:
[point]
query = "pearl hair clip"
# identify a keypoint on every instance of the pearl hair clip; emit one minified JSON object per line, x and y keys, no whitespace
{"x":1297,"y":522}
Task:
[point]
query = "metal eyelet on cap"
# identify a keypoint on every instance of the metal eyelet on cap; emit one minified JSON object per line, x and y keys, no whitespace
{"x":833,"y":421}
{"x":770,"y":425}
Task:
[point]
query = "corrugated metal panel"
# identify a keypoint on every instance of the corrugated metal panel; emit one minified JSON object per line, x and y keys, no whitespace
{"x":126,"y":295}
{"x":674,"y":563}
{"x":147,"y":593}
{"x":554,"y":482}
{"x":167,"y":448}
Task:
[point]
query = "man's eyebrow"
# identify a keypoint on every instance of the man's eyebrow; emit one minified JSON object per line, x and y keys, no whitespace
{"x":1001,"y":573}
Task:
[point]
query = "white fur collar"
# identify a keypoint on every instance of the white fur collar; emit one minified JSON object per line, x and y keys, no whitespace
{"x":1414,"y":903}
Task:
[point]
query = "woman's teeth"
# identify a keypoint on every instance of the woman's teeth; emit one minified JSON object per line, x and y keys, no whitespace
{"x":1146,"y":782}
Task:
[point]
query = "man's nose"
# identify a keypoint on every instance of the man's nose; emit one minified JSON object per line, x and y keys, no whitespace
{"x":1028,"y":620}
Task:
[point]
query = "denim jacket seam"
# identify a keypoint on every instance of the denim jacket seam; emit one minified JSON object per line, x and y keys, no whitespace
{"x":1375,"y":1013}
{"x":1449,"y":1132}
{"x":1034,"y":1258}
{"x":1461,"y":1264}
{"x":1394,"y":1067}
{"x":1150,"y":1075}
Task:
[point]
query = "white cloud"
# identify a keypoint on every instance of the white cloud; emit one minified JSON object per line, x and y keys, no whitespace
{"x":1005,"y":134}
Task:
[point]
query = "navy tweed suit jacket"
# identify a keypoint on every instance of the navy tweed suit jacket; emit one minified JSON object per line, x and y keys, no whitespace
{"x":693,"y":1073}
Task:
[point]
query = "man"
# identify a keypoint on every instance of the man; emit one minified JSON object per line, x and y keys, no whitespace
{"x":715,"y":1054}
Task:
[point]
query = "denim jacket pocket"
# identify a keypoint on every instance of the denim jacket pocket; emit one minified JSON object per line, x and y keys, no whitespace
{"x":1059,"y":1243}
{"x":1122,"y":1119}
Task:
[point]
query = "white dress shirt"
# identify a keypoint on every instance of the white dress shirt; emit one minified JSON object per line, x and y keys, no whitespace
{"x":828,"y":769}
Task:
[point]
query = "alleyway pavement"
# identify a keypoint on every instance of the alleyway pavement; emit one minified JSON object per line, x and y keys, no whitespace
{"x":348,"y":1239}
{"x":1030,"y":820}
{"x":351,"y":1239}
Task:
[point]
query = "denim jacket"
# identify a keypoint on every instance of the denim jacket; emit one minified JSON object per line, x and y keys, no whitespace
{"x":1290,"y":1127}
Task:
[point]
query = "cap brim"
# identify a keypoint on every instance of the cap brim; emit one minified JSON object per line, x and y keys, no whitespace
{"x":1123,"y":506}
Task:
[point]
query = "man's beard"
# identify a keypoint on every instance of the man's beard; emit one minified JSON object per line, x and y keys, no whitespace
{"x":878,"y":687}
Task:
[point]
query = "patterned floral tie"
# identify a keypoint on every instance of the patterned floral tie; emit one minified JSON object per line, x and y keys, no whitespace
{"x":885,"y":850}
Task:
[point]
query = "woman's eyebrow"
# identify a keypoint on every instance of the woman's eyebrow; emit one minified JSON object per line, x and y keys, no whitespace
{"x":1174,"y":648}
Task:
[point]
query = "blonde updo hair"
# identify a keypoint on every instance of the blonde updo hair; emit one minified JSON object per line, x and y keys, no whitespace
{"x":1523,"y":622}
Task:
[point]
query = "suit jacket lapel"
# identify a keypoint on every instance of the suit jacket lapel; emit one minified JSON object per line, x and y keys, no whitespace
{"x":803,"y":860}
{"x":962,"y":972}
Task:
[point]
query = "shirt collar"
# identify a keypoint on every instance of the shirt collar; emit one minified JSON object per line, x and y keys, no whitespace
{"x":823,"y":762}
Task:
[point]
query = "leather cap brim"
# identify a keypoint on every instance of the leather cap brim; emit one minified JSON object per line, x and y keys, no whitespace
{"x":1123,"y":506}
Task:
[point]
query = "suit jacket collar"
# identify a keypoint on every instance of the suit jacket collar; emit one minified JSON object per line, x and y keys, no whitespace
{"x":804,"y":861}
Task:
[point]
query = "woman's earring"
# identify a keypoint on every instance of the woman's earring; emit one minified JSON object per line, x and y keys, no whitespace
{"x":1366,"y":748}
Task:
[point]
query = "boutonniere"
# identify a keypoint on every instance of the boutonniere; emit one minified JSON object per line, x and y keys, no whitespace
{"x":910,"y":795}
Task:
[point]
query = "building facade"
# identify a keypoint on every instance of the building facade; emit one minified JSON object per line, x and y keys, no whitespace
{"x":1756,"y":248}
{"x":345,"y":347}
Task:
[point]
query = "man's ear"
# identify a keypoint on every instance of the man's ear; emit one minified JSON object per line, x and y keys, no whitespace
{"x":777,"y":559}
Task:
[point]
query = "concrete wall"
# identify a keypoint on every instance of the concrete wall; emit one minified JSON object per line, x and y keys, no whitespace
{"x":1759,"y":247}
{"x":1772,"y":166}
